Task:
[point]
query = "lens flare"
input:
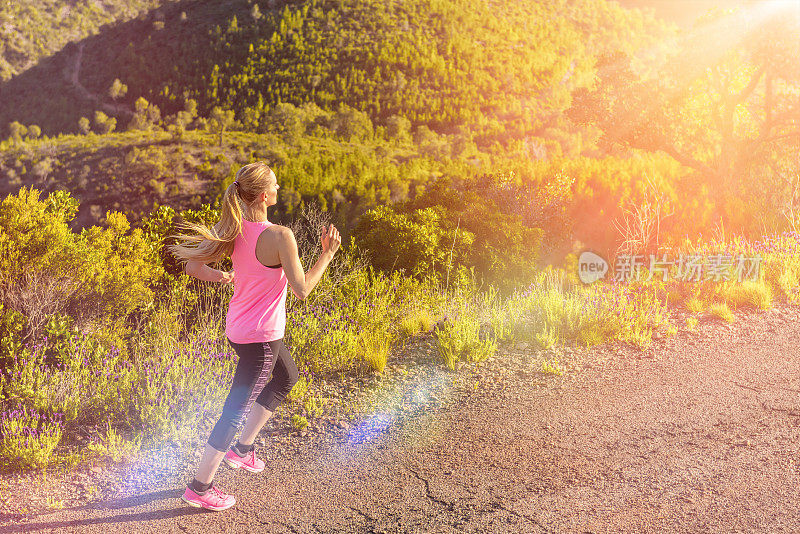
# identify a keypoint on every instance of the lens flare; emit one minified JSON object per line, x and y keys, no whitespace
{"x":421,"y":394}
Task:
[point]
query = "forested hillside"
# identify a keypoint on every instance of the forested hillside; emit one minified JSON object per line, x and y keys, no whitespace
{"x":494,"y":71}
{"x":33,"y":29}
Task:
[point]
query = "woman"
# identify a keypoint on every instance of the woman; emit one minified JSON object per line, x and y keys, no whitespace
{"x":264,"y":258}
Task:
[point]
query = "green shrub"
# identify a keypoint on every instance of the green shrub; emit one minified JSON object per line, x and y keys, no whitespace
{"x":300,"y":389}
{"x":313,"y":407}
{"x":547,"y":338}
{"x":100,"y":275}
{"x":76,"y":376}
{"x":552,"y":367}
{"x":445,"y":233}
{"x":722,"y":311}
{"x":416,"y":321}
{"x":749,"y":293}
{"x":458,"y":340}
{"x":694,"y":304}
{"x":345,"y":319}
{"x":28,"y":438}
{"x":299,"y":422}
{"x":114,"y":446}
{"x":375,"y":348}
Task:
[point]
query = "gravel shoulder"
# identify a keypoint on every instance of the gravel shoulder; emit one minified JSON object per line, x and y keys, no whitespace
{"x":698,"y":433}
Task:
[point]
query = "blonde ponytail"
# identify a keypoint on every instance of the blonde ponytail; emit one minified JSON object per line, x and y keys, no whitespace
{"x":211,"y":245}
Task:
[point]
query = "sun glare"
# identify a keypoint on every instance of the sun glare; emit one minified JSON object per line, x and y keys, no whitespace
{"x":774,"y":6}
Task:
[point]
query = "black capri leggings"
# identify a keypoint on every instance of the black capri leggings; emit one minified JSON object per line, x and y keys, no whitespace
{"x":250,"y":383}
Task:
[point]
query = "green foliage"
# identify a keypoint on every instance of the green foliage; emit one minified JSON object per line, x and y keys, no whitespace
{"x":117,"y":89}
{"x":749,"y":293}
{"x":103,"y":124}
{"x":12,"y":328}
{"x":146,"y":116}
{"x":552,"y":367}
{"x":416,"y":321}
{"x":722,"y":311}
{"x":16,"y":131}
{"x":445,"y":232}
{"x":412,"y":242}
{"x":551,"y":311}
{"x":33,"y":29}
{"x":300,"y":389}
{"x":375,"y":347}
{"x":351,"y":124}
{"x":219,"y":121}
{"x":299,"y":422}
{"x":721,"y":115}
{"x":74,"y":375}
{"x":459,"y":341}
{"x":378,"y":59}
{"x":177,"y":376}
{"x":28,"y":438}
{"x":693,"y":304}
{"x":346,"y":323}
{"x":313,"y":407}
{"x":115,"y":446}
{"x":84,"y":127}
{"x":101,"y":274}
{"x":464,"y":335}
{"x":547,"y":338}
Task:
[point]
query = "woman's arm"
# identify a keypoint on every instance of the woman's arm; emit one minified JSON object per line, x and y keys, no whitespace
{"x":303,"y":283}
{"x":203,"y":272}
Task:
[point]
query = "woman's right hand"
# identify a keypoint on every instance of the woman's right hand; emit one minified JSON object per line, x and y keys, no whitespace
{"x":330,"y":239}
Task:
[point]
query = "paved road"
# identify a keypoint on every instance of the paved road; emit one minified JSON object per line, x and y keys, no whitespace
{"x":697,"y":434}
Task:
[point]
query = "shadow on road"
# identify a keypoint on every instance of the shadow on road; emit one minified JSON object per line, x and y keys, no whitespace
{"x":115,"y":504}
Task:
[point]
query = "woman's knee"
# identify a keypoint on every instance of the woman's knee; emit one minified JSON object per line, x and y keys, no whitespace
{"x":233,"y":411}
{"x":234,"y":418}
{"x":293,"y":376}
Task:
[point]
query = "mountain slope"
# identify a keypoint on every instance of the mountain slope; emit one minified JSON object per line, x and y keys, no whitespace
{"x":501,"y":71}
{"x":33,"y":29}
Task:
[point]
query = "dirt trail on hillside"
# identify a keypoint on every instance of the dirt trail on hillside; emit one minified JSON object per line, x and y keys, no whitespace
{"x":699,"y":433}
{"x":72,"y":75}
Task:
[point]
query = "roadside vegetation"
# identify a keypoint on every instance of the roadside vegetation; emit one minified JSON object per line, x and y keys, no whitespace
{"x":96,"y":334}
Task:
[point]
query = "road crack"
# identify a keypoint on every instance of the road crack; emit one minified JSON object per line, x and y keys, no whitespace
{"x":522,"y":516}
{"x":449,"y":505}
{"x":363,"y":514}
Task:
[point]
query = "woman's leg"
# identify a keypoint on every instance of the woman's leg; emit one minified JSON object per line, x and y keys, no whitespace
{"x":255,"y":362}
{"x":209,"y":464}
{"x":284,"y":376}
{"x":255,"y":421}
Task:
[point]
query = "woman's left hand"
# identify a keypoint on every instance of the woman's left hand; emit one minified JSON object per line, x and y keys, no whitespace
{"x":227,"y":277}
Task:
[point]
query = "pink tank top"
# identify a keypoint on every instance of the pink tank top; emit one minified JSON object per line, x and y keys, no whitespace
{"x":257,"y":309}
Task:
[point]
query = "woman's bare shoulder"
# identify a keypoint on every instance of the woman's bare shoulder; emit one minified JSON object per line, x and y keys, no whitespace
{"x":277,"y":232}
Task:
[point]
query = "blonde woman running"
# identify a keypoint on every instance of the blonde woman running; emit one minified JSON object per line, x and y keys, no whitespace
{"x":264,"y":258}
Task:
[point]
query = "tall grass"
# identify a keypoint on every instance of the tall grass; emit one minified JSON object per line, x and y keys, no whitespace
{"x":778,"y":274}
{"x":552,"y":310}
{"x":353,"y":326}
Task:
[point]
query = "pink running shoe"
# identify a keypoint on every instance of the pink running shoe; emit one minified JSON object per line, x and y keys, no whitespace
{"x":213,"y":499}
{"x":248,"y":462}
